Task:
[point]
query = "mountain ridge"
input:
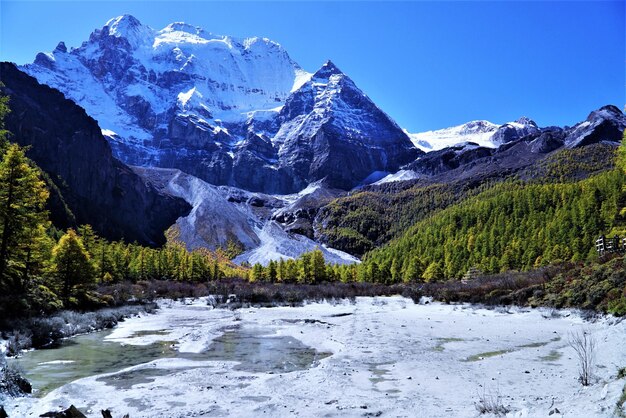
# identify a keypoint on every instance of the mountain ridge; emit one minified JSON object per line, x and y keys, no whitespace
{"x":224,"y":109}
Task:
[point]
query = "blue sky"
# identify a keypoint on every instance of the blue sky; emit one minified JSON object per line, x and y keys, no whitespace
{"x":428,"y":64}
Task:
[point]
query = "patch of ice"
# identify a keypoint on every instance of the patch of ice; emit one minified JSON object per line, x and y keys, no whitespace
{"x":57,"y":362}
{"x":401,"y":175}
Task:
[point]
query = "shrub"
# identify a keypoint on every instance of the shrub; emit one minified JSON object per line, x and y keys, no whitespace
{"x":490,"y":402}
{"x":584,"y":344}
{"x":11,"y":381}
{"x":18,"y":341}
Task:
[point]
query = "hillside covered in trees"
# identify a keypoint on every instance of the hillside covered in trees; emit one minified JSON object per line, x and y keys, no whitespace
{"x":368,"y":219}
{"x":43,"y":269}
{"x":512,"y":226}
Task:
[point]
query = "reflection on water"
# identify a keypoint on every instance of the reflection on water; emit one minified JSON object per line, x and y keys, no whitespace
{"x":85,"y":355}
{"x":256,"y":350}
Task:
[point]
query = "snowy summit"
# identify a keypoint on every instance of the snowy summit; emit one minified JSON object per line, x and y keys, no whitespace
{"x":237,"y":112}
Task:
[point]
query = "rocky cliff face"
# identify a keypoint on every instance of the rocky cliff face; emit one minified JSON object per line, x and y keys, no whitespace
{"x":68,"y":145}
{"x":232,"y":112}
{"x":606,"y":124}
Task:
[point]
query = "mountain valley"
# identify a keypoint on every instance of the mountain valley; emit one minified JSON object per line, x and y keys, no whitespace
{"x":259,"y":147}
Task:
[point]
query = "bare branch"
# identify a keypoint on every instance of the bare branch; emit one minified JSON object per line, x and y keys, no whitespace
{"x":584,"y":346}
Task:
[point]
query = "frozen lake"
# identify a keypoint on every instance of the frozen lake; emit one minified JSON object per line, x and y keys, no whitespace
{"x":375,"y":357}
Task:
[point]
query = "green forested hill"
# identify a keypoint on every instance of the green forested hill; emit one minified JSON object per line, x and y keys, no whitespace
{"x":368,"y":219}
{"x":512,"y":226}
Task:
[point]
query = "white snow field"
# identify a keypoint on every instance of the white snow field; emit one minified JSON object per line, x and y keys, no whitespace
{"x":379,"y":357}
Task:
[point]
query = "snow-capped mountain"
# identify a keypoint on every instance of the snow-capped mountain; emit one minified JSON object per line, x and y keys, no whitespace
{"x":481,"y":132}
{"x":478,"y":131}
{"x":329,"y":123}
{"x":231,"y":111}
{"x":511,"y":147}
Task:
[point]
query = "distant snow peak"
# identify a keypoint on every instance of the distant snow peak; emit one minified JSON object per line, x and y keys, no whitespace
{"x":477,"y":126}
{"x":128,"y":27}
{"x":182,"y":27}
{"x":481,"y":132}
{"x":526,"y":121}
{"x":478,"y":131}
{"x":122,"y":24}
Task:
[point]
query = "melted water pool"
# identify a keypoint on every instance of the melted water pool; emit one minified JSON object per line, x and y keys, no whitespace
{"x":85,"y":355}
{"x":256,"y":350}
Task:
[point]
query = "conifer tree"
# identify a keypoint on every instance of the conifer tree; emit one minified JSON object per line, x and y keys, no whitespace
{"x":305,"y":273}
{"x":72,"y":264}
{"x":272,"y":273}
{"x":318,"y":266}
{"x":433,"y":272}
{"x":256,"y":274}
{"x":22,"y":198}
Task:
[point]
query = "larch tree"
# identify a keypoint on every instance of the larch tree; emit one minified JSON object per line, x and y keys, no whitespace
{"x":23,"y":217}
{"x":318,"y":266}
{"x":72,"y":265}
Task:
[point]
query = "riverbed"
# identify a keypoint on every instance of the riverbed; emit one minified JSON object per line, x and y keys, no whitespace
{"x":369,"y":357}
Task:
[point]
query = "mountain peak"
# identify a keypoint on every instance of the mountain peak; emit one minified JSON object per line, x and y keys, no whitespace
{"x":328,"y":69}
{"x":606,"y":112}
{"x":61,"y":48}
{"x":478,"y":126}
{"x":128,"y":27}
{"x":182,"y":27}
{"x":526,"y":121}
{"x":122,"y":24}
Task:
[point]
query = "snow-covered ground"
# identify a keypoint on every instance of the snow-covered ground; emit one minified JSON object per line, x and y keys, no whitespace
{"x":388,"y":357}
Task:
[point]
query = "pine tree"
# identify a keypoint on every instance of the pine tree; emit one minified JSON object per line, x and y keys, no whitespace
{"x":72,"y":264}
{"x":433,"y":272}
{"x":414,"y":271}
{"x":217,"y":274}
{"x":4,"y":110}
{"x":305,"y":267}
{"x":88,"y":236}
{"x":396,"y":271}
{"x":282,"y":270}
{"x":256,"y":274}
{"x":38,"y":252}
{"x":22,"y":198}
{"x":271,"y":271}
{"x":318,"y":266}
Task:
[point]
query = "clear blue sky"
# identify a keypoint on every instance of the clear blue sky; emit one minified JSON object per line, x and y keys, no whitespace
{"x":428,"y":64}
